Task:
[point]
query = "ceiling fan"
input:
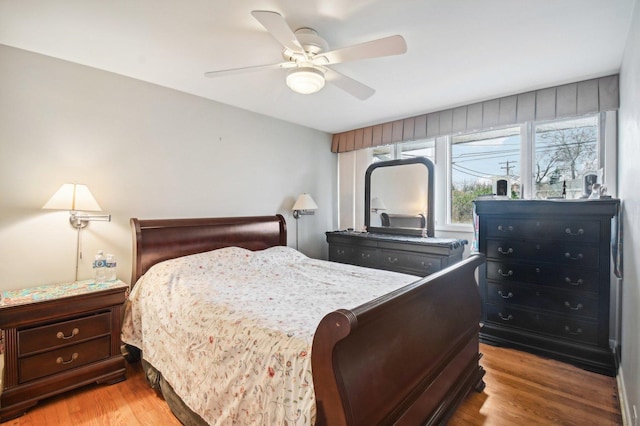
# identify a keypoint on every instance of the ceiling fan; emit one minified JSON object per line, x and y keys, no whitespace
{"x":307,"y":57}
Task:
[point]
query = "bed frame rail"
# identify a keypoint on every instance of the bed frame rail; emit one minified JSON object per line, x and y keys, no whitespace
{"x":419,"y":344}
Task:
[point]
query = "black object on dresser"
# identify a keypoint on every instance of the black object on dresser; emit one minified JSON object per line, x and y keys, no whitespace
{"x":547,"y":283}
{"x":400,"y":253}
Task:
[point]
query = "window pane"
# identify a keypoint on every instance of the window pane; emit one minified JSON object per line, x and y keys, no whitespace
{"x":382,"y":153}
{"x":564,"y":153}
{"x":483,"y":163}
{"x":421,"y":148}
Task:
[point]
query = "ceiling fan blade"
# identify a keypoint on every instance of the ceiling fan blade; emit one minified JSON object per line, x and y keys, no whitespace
{"x":349,"y":85}
{"x":387,"y":46}
{"x":279,"y":29}
{"x":243,"y":70}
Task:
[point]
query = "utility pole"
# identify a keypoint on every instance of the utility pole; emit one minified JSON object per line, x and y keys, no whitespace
{"x":508,"y":166}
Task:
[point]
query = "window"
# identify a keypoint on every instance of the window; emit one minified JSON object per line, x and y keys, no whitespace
{"x":537,"y":160}
{"x":564,"y":153}
{"x":421,"y":148}
{"x":483,"y":163}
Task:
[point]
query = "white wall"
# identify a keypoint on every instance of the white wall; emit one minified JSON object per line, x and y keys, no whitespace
{"x":144,"y":151}
{"x":628,"y":181}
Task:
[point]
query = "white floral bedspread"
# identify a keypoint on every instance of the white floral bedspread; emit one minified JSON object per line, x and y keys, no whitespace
{"x":231,"y":329}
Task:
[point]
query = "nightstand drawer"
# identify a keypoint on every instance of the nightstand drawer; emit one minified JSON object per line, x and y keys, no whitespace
{"x":62,"y":333}
{"x":66,"y":358}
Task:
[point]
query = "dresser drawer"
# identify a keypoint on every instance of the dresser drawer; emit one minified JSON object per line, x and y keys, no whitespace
{"x":568,"y":303}
{"x":569,"y":278}
{"x":574,"y":329}
{"x":63,"y":333}
{"x":340,"y":253}
{"x":365,"y":256}
{"x":409,"y":262}
{"x":566,"y":230}
{"x":574,"y":254}
{"x":63,"y":359}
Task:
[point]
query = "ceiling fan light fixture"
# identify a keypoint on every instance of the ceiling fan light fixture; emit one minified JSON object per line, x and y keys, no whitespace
{"x":305,"y":80}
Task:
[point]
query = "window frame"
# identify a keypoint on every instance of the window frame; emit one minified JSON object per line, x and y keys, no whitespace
{"x":607,"y":161}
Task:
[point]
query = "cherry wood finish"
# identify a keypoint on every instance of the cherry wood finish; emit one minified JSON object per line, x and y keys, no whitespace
{"x":424,"y":335}
{"x":547,"y":283}
{"x":38,"y":364}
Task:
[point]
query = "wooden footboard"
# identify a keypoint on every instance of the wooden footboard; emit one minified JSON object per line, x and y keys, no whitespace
{"x":409,"y":357}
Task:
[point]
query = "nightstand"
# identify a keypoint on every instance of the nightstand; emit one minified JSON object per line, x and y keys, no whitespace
{"x":57,"y":338}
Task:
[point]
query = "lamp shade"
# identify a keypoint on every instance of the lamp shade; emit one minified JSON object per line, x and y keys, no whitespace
{"x":305,"y":80}
{"x":377,"y":204}
{"x":73,"y":197}
{"x":305,"y":202}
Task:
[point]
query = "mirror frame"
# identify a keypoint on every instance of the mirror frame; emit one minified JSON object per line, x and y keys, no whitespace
{"x":430,"y":197}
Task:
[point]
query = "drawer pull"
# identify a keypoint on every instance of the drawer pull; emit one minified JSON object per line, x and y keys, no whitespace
{"x":568,"y":330}
{"x":427,"y":266}
{"x":578,"y":257}
{"x":508,"y":274}
{"x":508,"y":251}
{"x":340,"y":252}
{"x":365,"y":255}
{"x":392,"y":259}
{"x":570,"y":232}
{"x":74,"y":333}
{"x":74,"y":356}
{"x":505,"y":296}
{"x":576,"y":308}
{"x":568,"y":281}
{"x":507,"y":318}
{"x":502,"y":228}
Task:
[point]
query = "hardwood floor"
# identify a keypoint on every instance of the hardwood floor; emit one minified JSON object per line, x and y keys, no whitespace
{"x":522,"y":389}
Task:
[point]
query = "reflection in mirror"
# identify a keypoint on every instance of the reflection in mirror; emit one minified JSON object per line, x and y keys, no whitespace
{"x":399,"y":197}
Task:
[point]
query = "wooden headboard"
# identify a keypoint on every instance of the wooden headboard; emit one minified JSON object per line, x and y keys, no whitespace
{"x":155,"y":240}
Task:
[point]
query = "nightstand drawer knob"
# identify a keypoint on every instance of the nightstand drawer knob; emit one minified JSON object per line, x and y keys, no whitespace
{"x":74,"y":333}
{"x":74,"y":356}
{"x":503,"y":228}
{"x":503,"y":251}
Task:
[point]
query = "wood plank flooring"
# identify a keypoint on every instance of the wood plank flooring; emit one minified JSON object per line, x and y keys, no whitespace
{"x":522,"y":389}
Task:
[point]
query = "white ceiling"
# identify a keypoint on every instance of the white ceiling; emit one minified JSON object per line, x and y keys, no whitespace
{"x":458,"y":51}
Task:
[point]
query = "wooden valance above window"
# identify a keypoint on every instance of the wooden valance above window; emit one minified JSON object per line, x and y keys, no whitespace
{"x":569,"y":100}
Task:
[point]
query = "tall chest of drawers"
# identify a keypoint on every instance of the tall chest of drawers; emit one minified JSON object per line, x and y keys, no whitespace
{"x":547,"y":284}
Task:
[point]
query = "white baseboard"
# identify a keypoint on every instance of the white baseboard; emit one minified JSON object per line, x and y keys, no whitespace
{"x":625,"y":409}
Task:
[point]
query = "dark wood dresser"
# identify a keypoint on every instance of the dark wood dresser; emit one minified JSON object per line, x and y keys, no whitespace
{"x":57,"y":338}
{"x":400,"y":253}
{"x":547,"y":284}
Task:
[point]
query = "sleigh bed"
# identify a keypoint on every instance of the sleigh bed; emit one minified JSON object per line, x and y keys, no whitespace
{"x":408,"y":356}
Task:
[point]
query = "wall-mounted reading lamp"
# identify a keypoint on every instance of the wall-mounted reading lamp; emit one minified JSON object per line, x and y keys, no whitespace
{"x":304,"y":205}
{"x":77,"y":199}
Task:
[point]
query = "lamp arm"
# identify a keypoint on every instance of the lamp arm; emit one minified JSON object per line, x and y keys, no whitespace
{"x":82,"y":220}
